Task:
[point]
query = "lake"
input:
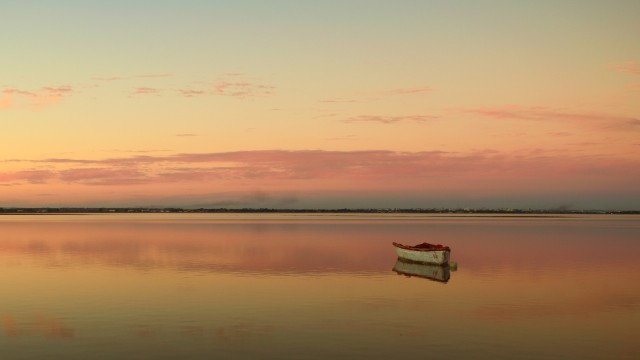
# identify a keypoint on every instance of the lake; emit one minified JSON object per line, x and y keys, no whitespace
{"x":284,"y":286}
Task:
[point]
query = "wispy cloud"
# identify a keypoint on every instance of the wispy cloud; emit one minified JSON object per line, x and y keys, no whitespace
{"x":145,"y":91}
{"x":232,"y":85}
{"x":152,"y":76}
{"x":143,"y":76}
{"x":538,"y":113}
{"x":248,"y":165}
{"x":560,"y":133}
{"x":38,"y":99}
{"x":6,"y":100}
{"x":103,"y":176}
{"x":339,"y":101}
{"x":628,"y":124}
{"x":377,"y":95}
{"x":186,"y":135}
{"x":60,"y":90}
{"x":375,"y":168}
{"x":629,"y":67}
{"x":342,"y":138}
{"x":190,"y":92}
{"x":410,"y":91}
{"x":390,"y":119}
{"x":140,"y":151}
{"x":12,"y":91}
{"x":241,"y":89}
{"x":30,"y":176}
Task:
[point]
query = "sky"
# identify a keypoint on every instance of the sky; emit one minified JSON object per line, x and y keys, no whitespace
{"x":329,"y":104}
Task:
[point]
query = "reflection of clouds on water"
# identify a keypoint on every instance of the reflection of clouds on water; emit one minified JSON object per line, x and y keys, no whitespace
{"x":194,"y":331}
{"x":394,"y":328}
{"x":223,"y":334}
{"x":244,"y":290}
{"x":38,"y":247}
{"x":242,"y":332}
{"x":243,"y":248}
{"x":36,"y":325}
{"x":145,"y":331}
{"x":402,"y":304}
{"x":486,"y":247}
{"x":580,"y":307}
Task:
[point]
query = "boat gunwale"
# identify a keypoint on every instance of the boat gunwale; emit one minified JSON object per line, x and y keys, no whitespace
{"x":431,"y":248}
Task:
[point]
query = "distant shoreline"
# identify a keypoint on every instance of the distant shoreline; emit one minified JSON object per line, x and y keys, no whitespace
{"x":469,"y":212}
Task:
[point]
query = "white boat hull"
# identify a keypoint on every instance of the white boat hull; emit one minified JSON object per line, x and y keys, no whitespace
{"x":438,"y":257}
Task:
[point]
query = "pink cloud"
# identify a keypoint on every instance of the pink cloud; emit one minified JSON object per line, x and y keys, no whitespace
{"x":60,"y":90}
{"x":625,"y":125}
{"x":6,"y":100}
{"x":51,"y":95}
{"x":325,"y":163}
{"x":46,"y":96}
{"x":342,"y":138}
{"x":191,"y":93}
{"x":298,"y":162}
{"x":339,"y":101}
{"x":538,"y":113}
{"x":241,"y":89}
{"x":103,"y":176}
{"x":151,"y":76}
{"x":143,"y":76}
{"x":197,"y":175}
{"x":30,"y":176}
{"x":390,"y":119}
{"x":560,"y":133}
{"x":145,"y":151}
{"x":393,"y":92}
{"x":110,"y":78}
{"x":232,"y":85}
{"x":411,"y":91}
{"x":65,"y":161}
{"x":19,"y":92}
{"x":629,"y":67}
{"x":311,"y":173}
{"x":145,"y":91}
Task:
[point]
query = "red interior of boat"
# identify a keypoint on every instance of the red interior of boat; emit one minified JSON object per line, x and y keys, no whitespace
{"x":424,"y":247}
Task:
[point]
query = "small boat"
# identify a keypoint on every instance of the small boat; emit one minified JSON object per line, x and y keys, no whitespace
{"x":437,"y":273}
{"x":424,"y":253}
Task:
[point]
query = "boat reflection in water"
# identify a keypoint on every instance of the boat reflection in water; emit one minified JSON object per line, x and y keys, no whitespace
{"x":439,"y":273}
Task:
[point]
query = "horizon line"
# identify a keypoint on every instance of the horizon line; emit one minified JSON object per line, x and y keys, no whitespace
{"x":415,"y":210}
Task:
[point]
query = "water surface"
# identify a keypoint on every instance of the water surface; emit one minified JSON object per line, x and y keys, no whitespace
{"x":316,"y":286}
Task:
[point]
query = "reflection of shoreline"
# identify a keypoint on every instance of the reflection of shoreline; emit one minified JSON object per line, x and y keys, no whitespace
{"x":432,"y":272}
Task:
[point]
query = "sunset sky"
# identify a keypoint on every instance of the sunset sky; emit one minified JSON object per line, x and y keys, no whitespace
{"x":298,"y":104}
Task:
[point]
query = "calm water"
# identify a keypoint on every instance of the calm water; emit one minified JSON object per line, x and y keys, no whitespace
{"x":310,"y":287}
